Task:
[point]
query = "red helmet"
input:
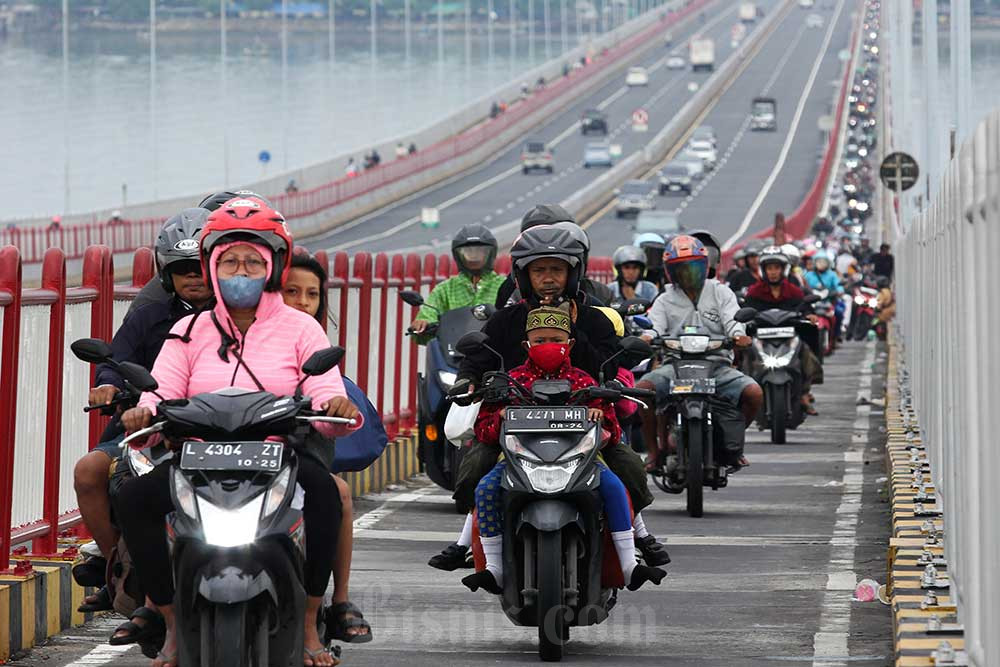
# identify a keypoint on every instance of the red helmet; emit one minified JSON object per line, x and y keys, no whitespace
{"x":249,"y":219}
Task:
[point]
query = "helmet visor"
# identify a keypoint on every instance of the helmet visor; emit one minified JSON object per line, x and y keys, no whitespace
{"x":689,"y":275}
{"x":473,"y":257}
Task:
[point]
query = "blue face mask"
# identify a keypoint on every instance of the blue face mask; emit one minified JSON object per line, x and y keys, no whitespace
{"x":241,"y":291}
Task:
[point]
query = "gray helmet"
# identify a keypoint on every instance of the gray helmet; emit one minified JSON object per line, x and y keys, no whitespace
{"x":472,"y":236}
{"x":545,"y":214}
{"x":547,"y":241}
{"x":178,"y":241}
{"x":754,"y":247}
{"x":628,"y":254}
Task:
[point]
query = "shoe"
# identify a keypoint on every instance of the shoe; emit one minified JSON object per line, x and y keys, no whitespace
{"x":643,"y":573}
{"x":454,"y":557}
{"x":671,"y":464}
{"x":653,"y":552}
{"x":737,"y":465}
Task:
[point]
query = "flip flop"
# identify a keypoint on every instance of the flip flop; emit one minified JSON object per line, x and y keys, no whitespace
{"x":312,"y":655}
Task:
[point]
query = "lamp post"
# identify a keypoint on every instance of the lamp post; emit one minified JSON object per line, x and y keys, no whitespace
{"x":223,"y":66}
{"x":152,"y":91}
{"x":65,"y":100}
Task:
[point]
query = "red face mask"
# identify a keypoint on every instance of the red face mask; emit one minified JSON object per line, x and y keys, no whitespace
{"x":549,"y":356}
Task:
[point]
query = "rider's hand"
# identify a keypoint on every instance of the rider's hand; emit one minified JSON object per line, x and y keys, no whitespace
{"x":813,"y":318}
{"x":647,"y":337}
{"x":595,"y":415}
{"x":136,"y":418}
{"x":419,"y":326}
{"x":102,"y":395}
{"x":742,"y":341}
{"x":340,"y":406}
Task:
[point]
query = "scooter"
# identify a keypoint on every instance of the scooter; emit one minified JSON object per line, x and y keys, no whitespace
{"x":863,"y":312}
{"x":439,"y":457}
{"x":826,"y":322}
{"x":237,"y":534}
{"x":553,"y":544}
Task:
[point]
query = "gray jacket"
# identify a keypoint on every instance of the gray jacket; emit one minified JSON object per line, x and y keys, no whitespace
{"x":717,"y":306}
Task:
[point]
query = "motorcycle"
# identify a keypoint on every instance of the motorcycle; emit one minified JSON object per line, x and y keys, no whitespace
{"x":553,"y":541}
{"x":691,"y":394}
{"x":826,"y":322}
{"x":237,"y":536}
{"x":863,"y":312}
{"x":776,"y":342}
{"x":439,"y":457}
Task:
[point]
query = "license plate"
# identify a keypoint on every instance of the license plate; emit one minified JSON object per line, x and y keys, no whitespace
{"x":546,"y":419}
{"x":233,"y":456}
{"x":673,"y":187}
{"x":775,"y":332}
{"x":700,"y":386}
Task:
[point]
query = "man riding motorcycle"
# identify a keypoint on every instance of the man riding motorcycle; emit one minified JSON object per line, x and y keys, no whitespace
{"x":138,"y":340}
{"x":630,"y":267}
{"x":548,"y":267}
{"x":750,"y":274}
{"x":690,"y":292}
{"x":823,"y":277}
{"x":775,"y":290}
{"x":475,"y":250}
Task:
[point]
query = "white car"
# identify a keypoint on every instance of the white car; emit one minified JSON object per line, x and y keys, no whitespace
{"x":676,"y":62}
{"x":806,"y":4}
{"x":637,"y":76}
{"x":704,"y":150}
{"x":814,"y":21}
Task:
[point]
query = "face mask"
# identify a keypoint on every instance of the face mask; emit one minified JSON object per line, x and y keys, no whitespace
{"x":549,"y":356}
{"x":241,"y":291}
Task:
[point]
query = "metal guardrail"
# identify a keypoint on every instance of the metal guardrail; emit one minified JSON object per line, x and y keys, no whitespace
{"x":949,"y":313}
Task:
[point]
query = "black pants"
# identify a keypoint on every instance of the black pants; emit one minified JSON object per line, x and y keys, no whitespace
{"x":143,"y":504}
{"x":479,"y":460}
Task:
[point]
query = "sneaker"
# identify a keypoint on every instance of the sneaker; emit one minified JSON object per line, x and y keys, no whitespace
{"x":653,"y":552}
{"x":453,"y":557}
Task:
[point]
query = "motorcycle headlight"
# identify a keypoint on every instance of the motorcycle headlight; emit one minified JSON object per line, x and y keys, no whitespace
{"x":860,"y":300}
{"x":231,"y":527}
{"x":772,"y":361}
{"x":694,"y":344}
{"x":276,"y":493}
{"x":139,"y":462}
{"x":514,"y":446}
{"x":186,"y":500}
{"x":447,"y":378}
{"x":550,"y":478}
{"x":873,"y":302}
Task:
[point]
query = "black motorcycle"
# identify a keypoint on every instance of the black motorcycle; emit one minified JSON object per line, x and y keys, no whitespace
{"x":439,"y":457}
{"x":237,"y":536}
{"x":553,"y":545}
{"x":691,"y":398}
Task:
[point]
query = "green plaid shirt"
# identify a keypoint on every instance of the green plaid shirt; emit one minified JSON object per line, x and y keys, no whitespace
{"x":459,"y":292}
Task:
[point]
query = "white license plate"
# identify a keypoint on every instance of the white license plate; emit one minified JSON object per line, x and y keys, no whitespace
{"x":775,"y":332}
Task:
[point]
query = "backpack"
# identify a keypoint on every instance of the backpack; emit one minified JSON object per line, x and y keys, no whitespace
{"x":360,"y":449}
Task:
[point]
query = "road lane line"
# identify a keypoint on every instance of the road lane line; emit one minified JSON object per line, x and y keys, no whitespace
{"x":790,"y":138}
{"x":100,"y":655}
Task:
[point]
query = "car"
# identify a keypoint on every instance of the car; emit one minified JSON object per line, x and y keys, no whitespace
{"x":814,"y":21}
{"x":597,"y":154}
{"x":675,"y":177}
{"x":664,"y":223}
{"x":676,"y":62}
{"x":806,"y":4}
{"x":594,"y":120}
{"x":705,"y":133}
{"x":633,"y":197}
{"x":763,"y":114}
{"x":637,"y":76}
{"x":703,"y":149}
{"x":536,"y":155}
{"x":694,"y":165}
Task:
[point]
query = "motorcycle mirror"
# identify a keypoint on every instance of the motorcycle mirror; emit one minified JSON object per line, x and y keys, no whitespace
{"x":483,"y":311}
{"x":322,"y":361}
{"x":812,"y":298}
{"x":138,"y":376}
{"x":411,"y":297}
{"x":631,"y":307}
{"x":91,"y":350}
{"x":744,"y":315}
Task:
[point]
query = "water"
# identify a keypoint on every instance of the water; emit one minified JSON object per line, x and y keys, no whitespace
{"x":330,"y":109}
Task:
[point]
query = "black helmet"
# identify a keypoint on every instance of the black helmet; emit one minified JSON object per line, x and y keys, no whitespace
{"x":546,"y":241}
{"x":178,"y":241}
{"x":214,"y":201}
{"x":712,"y":245}
{"x":545,"y":214}
{"x":581,"y":239}
{"x":469,"y":238}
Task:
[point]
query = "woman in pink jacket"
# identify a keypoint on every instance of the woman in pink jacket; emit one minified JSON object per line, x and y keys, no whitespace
{"x":250,"y":339}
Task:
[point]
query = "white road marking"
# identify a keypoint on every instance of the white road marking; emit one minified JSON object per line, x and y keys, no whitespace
{"x":100,"y":655}
{"x":366,"y":521}
{"x":830,"y":643}
{"x":790,"y":137}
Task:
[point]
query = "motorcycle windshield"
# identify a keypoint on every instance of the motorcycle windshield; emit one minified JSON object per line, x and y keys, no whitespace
{"x":454,"y":324}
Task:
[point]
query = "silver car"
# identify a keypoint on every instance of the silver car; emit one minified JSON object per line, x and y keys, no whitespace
{"x":597,"y":154}
{"x":703,"y":149}
{"x":633,"y":197}
{"x":704,"y":133}
{"x":664,"y":223}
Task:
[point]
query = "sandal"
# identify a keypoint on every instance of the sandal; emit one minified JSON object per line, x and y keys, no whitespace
{"x":154,"y":628}
{"x":91,"y":572}
{"x":344,"y":616}
{"x":99,"y":601}
{"x":334,"y":653}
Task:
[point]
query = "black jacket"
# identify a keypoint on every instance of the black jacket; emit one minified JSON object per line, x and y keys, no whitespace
{"x":742,"y":280}
{"x":883,"y":265}
{"x":594,"y":334}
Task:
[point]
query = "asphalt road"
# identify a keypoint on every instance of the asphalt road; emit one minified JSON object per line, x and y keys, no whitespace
{"x":798,"y":67}
{"x":499,"y":193}
{"x":764,"y":578}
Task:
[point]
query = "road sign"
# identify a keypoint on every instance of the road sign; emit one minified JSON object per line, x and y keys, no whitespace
{"x":264,"y":157}
{"x":429,"y":217}
{"x":615,"y":151}
{"x":899,"y":172}
{"x":640,"y":120}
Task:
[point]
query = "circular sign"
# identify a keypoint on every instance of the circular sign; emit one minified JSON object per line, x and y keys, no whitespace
{"x":640,"y":117}
{"x":264,"y":157}
{"x":899,"y":171}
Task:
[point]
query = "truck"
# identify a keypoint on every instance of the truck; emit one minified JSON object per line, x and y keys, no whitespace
{"x":764,"y":114}
{"x":702,"y":54}
{"x":748,"y":12}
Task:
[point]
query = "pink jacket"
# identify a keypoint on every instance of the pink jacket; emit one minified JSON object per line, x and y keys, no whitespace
{"x":276,"y":345}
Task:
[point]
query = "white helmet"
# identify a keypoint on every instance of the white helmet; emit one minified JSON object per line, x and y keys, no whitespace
{"x":792,"y":253}
{"x":770,"y":255}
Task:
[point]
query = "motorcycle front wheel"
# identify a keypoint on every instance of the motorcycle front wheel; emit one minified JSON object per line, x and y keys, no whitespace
{"x":551,"y":618}
{"x":695,"y":469}
{"x":228,"y":640}
{"x":778,"y":400}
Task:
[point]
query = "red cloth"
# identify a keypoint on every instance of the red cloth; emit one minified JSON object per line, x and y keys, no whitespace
{"x":761,"y":291}
{"x":491,"y":414}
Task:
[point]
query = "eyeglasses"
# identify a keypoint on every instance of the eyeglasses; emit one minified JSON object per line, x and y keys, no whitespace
{"x":255,"y":266}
